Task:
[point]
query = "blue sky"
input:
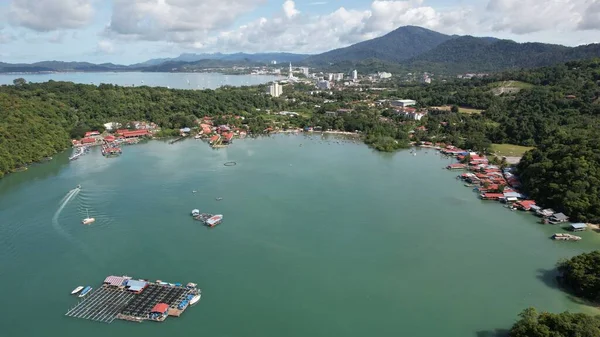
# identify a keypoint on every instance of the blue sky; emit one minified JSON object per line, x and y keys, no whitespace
{"x":130,"y":31}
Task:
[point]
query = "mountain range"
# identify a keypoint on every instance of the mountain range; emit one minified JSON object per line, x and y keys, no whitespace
{"x":404,"y":49}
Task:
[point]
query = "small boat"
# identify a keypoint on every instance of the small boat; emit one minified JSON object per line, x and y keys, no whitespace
{"x":195,"y":299}
{"x":195,"y":212}
{"x":79,"y":186}
{"x":219,"y":199}
{"x":214,"y":220}
{"x":76,"y":290}
{"x":194,"y":191}
{"x":85,"y":291}
{"x":88,"y":220}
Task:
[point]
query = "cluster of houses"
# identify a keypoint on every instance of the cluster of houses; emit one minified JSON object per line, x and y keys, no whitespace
{"x":118,"y":136}
{"x":218,"y":135}
{"x":494,"y":183}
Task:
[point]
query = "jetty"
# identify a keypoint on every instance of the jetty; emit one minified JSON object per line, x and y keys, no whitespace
{"x":177,"y":139}
{"x":121,"y":297}
{"x":565,"y":237}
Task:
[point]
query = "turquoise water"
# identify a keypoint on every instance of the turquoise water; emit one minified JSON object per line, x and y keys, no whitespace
{"x":324,"y":239}
{"x":173,"y":80}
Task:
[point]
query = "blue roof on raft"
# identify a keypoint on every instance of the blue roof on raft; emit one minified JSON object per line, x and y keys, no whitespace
{"x":579,"y":225}
{"x":135,"y":285}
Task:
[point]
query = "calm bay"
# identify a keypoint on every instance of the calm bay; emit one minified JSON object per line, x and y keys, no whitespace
{"x":153,"y":79}
{"x":325,"y":239}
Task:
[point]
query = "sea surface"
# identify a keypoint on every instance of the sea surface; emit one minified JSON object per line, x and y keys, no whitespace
{"x":172,"y":80}
{"x":321,"y":237}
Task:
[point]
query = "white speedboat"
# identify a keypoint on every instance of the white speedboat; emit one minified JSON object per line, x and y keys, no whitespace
{"x":214,"y":220}
{"x":195,"y":299}
{"x":76,"y":290}
{"x":88,"y":220}
{"x":195,"y":212}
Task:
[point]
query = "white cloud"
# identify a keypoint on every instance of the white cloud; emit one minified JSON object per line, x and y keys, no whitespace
{"x":48,"y":15}
{"x":174,"y":20}
{"x":591,"y":17}
{"x":5,"y":37}
{"x":105,"y":46}
{"x":291,"y":30}
{"x":289,"y":8}
{"x":529,"y":16}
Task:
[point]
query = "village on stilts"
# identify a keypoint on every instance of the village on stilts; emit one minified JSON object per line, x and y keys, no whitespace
{"x":491,"y":182}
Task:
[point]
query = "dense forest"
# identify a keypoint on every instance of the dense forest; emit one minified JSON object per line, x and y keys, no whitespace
{"x":37,"y":120}
{"x":581,"y":275}
{"x":535,"y":324}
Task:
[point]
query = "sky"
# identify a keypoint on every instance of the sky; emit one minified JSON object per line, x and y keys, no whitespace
{"x":130,"y":31}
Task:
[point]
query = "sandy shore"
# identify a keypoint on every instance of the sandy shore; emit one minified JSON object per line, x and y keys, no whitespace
{"x":593,"y":226}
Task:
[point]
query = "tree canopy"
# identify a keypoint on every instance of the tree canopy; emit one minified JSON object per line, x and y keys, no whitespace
{"x":581,"y":275}
{"x":566,"y":324}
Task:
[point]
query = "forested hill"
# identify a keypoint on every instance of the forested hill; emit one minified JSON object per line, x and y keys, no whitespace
{"x":472,"y":54}
{"x":37,"y":120}
{"x":396,"y":46}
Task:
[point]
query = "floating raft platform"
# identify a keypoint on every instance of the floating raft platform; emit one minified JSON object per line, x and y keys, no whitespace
{"x":134,"y":300}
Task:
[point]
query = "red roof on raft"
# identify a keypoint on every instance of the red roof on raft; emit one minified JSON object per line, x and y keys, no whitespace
{"x":135,"y":133}
{"x":526,"y":204}
{"x":160,"y":307}
{"x":88,"y":140}
{"x":109,"y":138}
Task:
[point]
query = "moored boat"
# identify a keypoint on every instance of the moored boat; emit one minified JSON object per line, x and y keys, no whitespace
{"x":85,"y":291}
{"x":76,"y":290}
{"x":195,"y":212}
{"x":214,"y":220}
{"x":195,"y":299}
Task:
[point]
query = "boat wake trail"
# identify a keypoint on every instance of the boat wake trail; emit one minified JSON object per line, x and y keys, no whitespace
{"x":70,"y":195}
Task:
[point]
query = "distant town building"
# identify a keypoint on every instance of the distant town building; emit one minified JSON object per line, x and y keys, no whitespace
{"x":112,"y":126}
{"x":304,"y":71}
{"x":403,"y":103}
{"x":330,"y":77}
{"x":354,"y":75}
{"x":273,"y":62}
{"x":383,"y":75}
{"x":324,"y":85}
{"x":275,"y":89}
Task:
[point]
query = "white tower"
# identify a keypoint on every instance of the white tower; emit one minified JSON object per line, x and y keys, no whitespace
{"x":290,"y":75}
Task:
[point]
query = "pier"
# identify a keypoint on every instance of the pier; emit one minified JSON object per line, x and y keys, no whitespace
{"x":177,"y":139}
{"x":133,"y":300}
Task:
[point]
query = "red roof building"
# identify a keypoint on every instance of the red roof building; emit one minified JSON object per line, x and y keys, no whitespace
{"x":109,"y":138}
{"x":214,"y":138}
{"x":88,"y":140}
{"x":121,"y":131}
{"x":92,"y":133}
{"x":227,"y":137}
{"x":160,"y":308}
{"x":492,"y":196}
{"x":136,"y":133}
{"x":525,"y":204}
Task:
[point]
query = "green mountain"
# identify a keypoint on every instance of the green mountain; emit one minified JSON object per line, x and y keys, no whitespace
{"x":473,"y":54}
{"x":396,"y":46}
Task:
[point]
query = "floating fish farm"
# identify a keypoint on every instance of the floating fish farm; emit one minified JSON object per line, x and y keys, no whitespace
{"x":121,"y":297}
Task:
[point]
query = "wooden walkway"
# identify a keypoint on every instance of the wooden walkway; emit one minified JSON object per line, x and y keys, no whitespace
{"x":102,"y":305}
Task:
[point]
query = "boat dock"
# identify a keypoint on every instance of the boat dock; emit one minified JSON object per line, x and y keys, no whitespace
{"x":177,"y":139}
{"x":120,"y":297}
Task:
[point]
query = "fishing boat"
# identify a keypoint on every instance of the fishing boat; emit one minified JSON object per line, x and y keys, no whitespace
{"x":195,"y":212}
{"x":79,"y":186}
{"x":219,"y":199}
{"x":214,"y":220}
{"x":76,"y":290}
{"x":85,"y":291}
{"x":88,"y":220}
{"x":195,"y":299}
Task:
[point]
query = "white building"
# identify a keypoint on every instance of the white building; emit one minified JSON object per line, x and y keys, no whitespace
{"x":338,"y":77}
{"x":354,"y":75}
{"x":415,"y":115}
{"x":403,"y":103}
{"x":304,"y":71}
{"x":273,"y":62}
{"x":330,"y":77}
{"x":383,"y":75}
{"x":324,"y":85}
{"x":275,"y":89}
{"x":112,"y":126}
